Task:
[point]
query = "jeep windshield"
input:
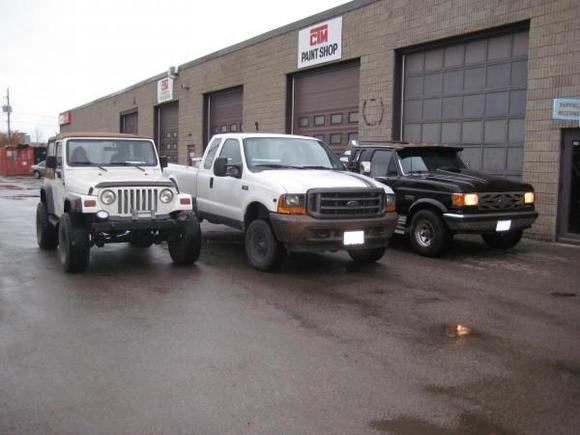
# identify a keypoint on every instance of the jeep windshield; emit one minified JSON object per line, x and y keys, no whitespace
{"x":110,"y":152}
{"x":417,"y":161}
{"x":264,"y":153}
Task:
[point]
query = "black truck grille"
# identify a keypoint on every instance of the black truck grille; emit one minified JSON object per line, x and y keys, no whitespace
{"x":345,"y":204}
{"x":501,"y":201}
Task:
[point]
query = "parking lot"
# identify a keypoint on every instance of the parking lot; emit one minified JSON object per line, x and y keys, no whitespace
{"x":137,"y":345}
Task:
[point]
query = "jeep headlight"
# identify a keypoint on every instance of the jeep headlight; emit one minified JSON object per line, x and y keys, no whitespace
{"x":166,"y":196}
{"x":108,"y":197}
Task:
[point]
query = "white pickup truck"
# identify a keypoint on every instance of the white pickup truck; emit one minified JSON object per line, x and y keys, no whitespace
{"x":288,"y":193}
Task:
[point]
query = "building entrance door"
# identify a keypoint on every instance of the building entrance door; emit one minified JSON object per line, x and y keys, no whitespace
{"x":569,"y":219}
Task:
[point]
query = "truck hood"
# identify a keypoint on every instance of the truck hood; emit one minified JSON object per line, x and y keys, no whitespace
{"x":468,"y":180}
{"x":81,"y":180}
{"x":301,"y":180}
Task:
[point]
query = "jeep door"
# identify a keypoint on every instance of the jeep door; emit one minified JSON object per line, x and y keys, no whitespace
{"x":58,"y":184}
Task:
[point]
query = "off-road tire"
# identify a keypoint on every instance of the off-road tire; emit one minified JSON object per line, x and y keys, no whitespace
{"x":428,"y":235}
{"x":367,"y":256}
{"x":46,"y":234}
{"x":185,"y":243}
{"x":503,"y":240}
{"x":73,"y":245}
{"x":263,"y":251}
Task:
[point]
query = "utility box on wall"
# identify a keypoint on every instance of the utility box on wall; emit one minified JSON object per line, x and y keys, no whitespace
{"x":16,"y":160}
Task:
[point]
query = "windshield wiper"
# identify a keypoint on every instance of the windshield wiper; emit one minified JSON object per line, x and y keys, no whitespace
{"x":103,"y":168}
{"x":315,"y":167}
{"x":276,"y":166}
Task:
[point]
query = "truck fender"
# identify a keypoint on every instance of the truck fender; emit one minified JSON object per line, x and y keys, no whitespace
{"x":425,"y":202}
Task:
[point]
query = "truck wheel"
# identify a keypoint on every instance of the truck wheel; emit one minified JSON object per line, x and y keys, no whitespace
{"x":263,"y":251}
{"x":73,"y":245}
{"x":46,"y":234}
{"x":367,"y":256}
{"x":185,"y":243}
{"x":428,"y":234}
{"x":503,"y":241}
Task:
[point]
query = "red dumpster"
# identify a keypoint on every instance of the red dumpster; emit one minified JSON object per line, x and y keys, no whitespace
{"x":16,"y":160}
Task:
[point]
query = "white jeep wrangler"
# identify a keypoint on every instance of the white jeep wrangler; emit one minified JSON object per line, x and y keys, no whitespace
{"x":106,"y":188}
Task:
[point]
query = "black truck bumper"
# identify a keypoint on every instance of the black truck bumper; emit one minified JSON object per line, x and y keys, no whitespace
{"x":487,"y":223}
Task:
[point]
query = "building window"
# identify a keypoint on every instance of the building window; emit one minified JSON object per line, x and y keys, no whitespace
{"x":353,"y":117}
{"x":319,"y":120}
{"x":224,"y":128}
{"x":304,"y":121}
{"x":234,"y":128}
{"x":336,"y":118}
{"x":335,"y":138}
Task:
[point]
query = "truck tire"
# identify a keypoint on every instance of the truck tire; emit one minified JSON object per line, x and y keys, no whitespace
{"x":504,"y":241}
{"x":46,"y":234}
{"x":73,"y":245}
{"x":263,"y":251}
{"x":428,"y":235}
{"x":367,"y":256}
{"x":185,"y":243}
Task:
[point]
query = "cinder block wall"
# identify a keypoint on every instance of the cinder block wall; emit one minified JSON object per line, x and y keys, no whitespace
{"x":372,"y":33}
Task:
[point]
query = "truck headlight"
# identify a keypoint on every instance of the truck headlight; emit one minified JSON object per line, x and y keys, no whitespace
{"x":390,"y":205}
{"x":464,"y":199}
{"x":529,"y":198}
{"x":108,"y":197}
{"x":166,"y":196}
{"x":292,"y":203}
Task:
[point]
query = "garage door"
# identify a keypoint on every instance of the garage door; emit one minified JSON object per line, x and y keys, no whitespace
{"x":225,"y":111}
{"x":325,"y":104}
{"x":472,"y":94}
{"x":129,"y":122}
{"x":167,"y":131}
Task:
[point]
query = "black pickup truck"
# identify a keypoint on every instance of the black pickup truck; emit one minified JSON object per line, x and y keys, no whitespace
{"x":438,"y":195}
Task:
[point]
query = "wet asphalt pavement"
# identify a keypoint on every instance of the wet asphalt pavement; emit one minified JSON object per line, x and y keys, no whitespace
{"x":139,"y":346}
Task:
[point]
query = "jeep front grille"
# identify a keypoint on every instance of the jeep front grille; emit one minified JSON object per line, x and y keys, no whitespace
{"x":345,"y":204}
{"x":135,"y":199}
{"x":499,"y":201}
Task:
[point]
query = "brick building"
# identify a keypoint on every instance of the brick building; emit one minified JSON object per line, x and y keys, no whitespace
{"x":480,"y":73}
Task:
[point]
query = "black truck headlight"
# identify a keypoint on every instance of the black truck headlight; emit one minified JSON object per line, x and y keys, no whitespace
{"x":529,"y":198}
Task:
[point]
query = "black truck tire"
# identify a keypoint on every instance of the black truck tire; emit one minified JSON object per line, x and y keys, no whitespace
{"x":46,"y":234}
{"x":367,"y":256}
{"x":428,"y":235}
{"x":505,"y":240}
{"x":185,"y":243}
{"x":73,"y":245}
{"x":263,"y":251}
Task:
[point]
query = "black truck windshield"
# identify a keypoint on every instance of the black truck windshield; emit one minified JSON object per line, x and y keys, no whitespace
{"x":110,"y":152}
{"x":424,"y":161}
{"x":282,"y":153}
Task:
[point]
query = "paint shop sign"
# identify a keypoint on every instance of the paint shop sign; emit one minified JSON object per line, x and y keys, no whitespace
{"x":320,"y":43}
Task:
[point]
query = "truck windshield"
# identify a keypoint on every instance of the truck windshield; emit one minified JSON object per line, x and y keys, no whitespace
{"x":110,"y":152}
{"x":282,"y":153}
{"x":423,"y":161}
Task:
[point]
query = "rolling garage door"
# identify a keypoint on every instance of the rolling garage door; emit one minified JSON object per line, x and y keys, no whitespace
{"x":325,"y":105}
{"x":129,"y":122}
{"x":225,"y":111}
{"x":471,"y":94}
{"x":167,"y":131}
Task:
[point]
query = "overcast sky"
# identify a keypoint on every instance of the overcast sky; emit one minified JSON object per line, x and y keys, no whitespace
{"x":58,"y":54}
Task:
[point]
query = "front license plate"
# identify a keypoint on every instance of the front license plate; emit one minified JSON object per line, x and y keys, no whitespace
{"x":354,"y":237}
{"x":503,"y":225}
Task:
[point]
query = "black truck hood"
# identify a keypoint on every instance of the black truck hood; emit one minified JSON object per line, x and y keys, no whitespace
{"x":467,"y":180}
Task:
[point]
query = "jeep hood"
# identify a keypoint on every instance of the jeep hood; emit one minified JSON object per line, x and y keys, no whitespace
{"x":301,"y":180}
{"x":81,"y":180}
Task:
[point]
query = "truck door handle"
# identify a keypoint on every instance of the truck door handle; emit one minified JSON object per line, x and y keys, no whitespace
{"x":211,"y":182}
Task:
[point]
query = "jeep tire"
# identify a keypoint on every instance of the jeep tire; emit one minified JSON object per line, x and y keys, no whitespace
{"x":73,"y":245}
{"x":428,"y":235}
{"x":46,"y":234}
{"x":263,"y":251}
{"x":185,"y":242}
{"x":367,"y":256}
{"x":504,"y":240}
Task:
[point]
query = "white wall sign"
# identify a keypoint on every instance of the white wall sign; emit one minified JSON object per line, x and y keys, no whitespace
{"x":320,"y":43}
{"x":164,"y":90}
{"x":566,"y":109}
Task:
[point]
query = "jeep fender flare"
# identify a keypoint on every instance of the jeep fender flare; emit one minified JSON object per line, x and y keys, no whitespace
{"x":73,"y":203}
{"x":46,"y":197}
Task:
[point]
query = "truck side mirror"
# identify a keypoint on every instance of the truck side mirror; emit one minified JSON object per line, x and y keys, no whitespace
{"x":234,"y":171}
{"x":219,"y":166}
{"x":163,"y":162}
{"x":51,"y":162}
{"x":365,"y":168}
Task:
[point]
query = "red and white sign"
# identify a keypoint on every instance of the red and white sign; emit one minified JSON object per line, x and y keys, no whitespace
{"x":64,"y":118}
{"x":164,"y":90}
{"x":320,"y":43}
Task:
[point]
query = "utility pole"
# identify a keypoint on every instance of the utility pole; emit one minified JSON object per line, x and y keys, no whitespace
{"x":7,"y":109}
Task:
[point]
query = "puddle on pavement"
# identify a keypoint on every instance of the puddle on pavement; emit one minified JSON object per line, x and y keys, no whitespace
{"x":563,"y":294}
{"x":472,"y":424}
{"x":568,"y":368}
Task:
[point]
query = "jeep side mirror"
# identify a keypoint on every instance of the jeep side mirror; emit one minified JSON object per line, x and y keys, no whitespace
{"x":50,"y":162}
{"x":365,"y":168}
{"x":219,"y":166}
{"x":163,"y":161}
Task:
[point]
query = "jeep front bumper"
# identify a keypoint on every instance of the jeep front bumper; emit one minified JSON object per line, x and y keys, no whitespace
{"x":480,"y":223}
{"x":121,"y":224}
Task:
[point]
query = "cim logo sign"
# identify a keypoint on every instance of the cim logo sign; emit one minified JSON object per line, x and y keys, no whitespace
{"x":164,"y":90}
{"x":320,"y":43}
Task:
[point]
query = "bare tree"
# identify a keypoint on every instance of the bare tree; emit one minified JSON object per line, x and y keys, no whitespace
{"x":38,"y":135}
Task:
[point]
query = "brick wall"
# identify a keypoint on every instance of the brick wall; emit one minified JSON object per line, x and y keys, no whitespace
{"x":372,"y":33}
